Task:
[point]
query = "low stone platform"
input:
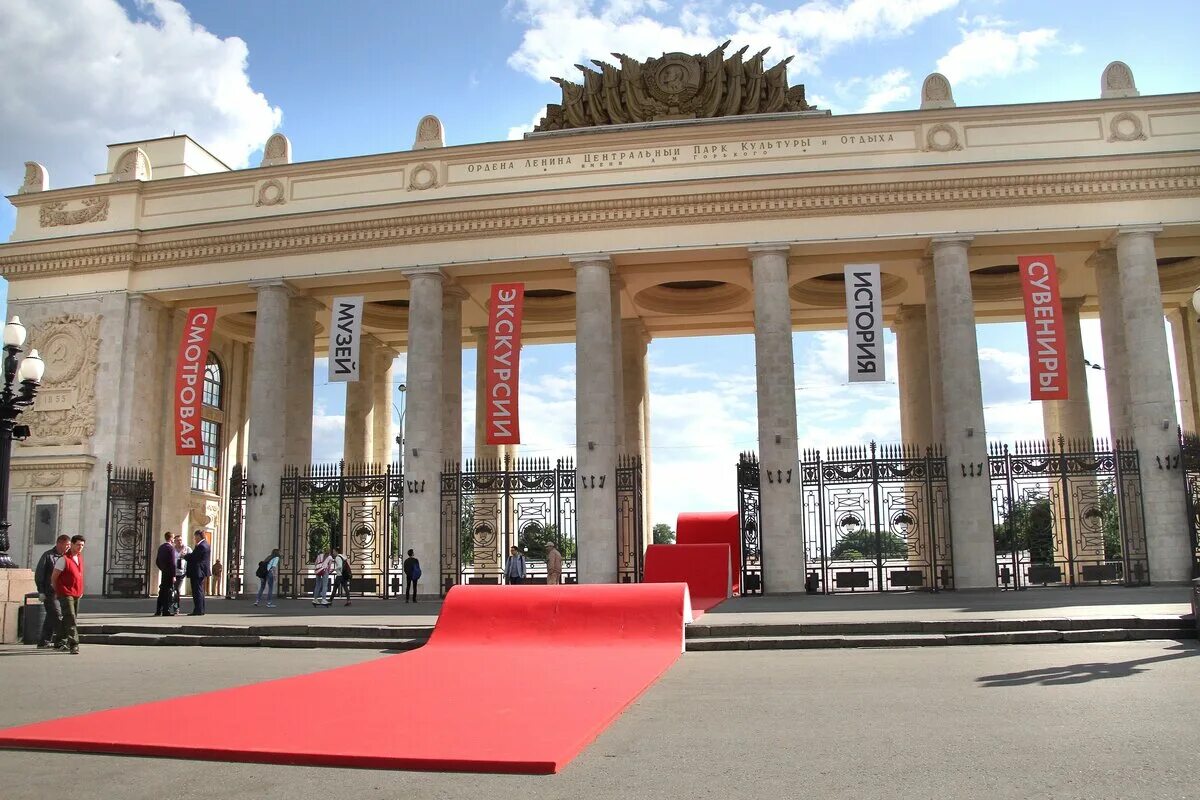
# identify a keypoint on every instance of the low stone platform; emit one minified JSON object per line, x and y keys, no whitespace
{"x":745,"y":623}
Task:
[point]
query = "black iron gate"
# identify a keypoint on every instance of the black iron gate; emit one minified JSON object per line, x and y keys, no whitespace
{"x":235,"y":530}
{"x":630,"y":541}
{"x":354,"y":507}
{"x":1067,"y":513}
{"x":876,"y":518}
{"x":128,"y":532}
{"x":1190,"y":461}
{"x":749,"y":522}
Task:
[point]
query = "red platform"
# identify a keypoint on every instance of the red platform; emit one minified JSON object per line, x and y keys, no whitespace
{"x":713,"y":527}
{"x":705,"y":568}
{"x":514,"y":679}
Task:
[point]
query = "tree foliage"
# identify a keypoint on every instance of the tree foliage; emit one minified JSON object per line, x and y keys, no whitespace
{"x":863,"y":544}
{"x":324,"y":524}
{"x":664,"y":534}
{"x":1027,"y":525}
{"x":535,"y":540}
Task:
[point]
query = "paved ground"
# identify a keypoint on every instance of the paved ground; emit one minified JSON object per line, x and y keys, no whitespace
{"x":907,"y":606}
{"x":1064,"y":721}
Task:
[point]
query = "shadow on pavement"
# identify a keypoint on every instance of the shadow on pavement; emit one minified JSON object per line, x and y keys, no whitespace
{"x":1084,"y":673}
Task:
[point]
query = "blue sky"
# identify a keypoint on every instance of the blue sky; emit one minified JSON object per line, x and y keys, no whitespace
{"x":344,"y":79}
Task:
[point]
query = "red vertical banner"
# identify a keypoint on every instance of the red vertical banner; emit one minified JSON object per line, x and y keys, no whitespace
{"x":189,"y":379}
{"x":504,"y":363}
{"x":1044,"y":328}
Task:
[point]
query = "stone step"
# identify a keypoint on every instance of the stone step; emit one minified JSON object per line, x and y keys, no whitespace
{"x":943,"y":627}
{"x":809,"y":642}
{"x":323,"y":631}
{"x":229,"y":640}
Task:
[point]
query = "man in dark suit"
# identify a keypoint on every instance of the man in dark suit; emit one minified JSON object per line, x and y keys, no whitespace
{"x":199,"y":567}
{"x":42,"y":576}
{"x":165,"y":561}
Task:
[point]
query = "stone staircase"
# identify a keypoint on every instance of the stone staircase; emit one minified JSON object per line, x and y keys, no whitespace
{"x":700,"y":637}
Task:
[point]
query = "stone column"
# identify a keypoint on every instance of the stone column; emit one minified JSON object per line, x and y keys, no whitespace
{"x":965,"y":437}
{"x":623,"y":445}
{"x":595,"y":421}
{"x":452,"y":331}
{"x":1071,"y":418}
{"x":268,"y":426}
{"x":423,"y":428}
{"x":634,"y":341}
{"x":1112,"y":336}
{"x":357,"y":434}
{"x":778,"y":449}
{"x":302,"y":334}
{"x":1185,"y":337}
{"x":933,"y":355}
{"x":1152,"y":405}
{"x":172,"y":483}
{"x":912,"y":367}
{"x":488,"y":545}
{"x":383,"y":395}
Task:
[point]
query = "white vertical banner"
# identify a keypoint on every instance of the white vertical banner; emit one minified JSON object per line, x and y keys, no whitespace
{"x":345,"y":332}
{"x":864,"y":318}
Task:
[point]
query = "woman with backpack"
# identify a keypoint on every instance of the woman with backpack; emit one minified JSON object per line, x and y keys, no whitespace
{"x":341,"y":569}
{"x":323,"y":568}
{"x":268,"y":573}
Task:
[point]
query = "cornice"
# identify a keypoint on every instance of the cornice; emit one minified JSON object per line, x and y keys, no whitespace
{"x":1124,"y":185}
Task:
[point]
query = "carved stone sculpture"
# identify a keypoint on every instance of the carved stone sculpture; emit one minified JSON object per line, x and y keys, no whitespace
{"x":65,"y":411}
{"x":278,"y":150}
{"x":36,"y":178}
{"x":1117,"y":81}
{"x":133,"y":165}
{"x":936,"y":92}
{"x":429,"y":133}
{"x":675,"y":86}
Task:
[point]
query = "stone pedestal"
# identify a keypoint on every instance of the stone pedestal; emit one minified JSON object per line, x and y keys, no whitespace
{"x":780,"y":512}
{"x":423,"y":430}
{"x":595,"y":421}
{"x":14,"y":585}
{"x":964,"y":435}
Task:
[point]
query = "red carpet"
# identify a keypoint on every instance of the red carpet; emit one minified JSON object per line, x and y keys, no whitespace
{"x":705,"y":568}
{"x":514,"y":679}
{"x":713,"y":527}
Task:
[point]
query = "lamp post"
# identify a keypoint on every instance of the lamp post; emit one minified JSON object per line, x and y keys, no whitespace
{"x":29,"y":374}
{"x":402,"y":389}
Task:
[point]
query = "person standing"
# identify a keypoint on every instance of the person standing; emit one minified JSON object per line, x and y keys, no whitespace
{"x":514,"y":570}
{"x":342,"y":573}
{"x":166,"y":562}
{"x":322,"y":567}
{"x":412,"y":574}
{"x":181,"y":552}
{"x":199,"y":567}
{"x":67,"y":583}
{"x":42,"y":577}
{"x":553,"y":565}
{"x":267,"y":578}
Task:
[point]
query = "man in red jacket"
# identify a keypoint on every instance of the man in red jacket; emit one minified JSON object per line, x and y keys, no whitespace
{"x":67,"y":580}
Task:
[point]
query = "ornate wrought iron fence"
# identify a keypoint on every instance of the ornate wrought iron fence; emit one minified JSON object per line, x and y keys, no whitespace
{"x":749,"y":522}
{"x":490,"y":505}
{"x":630,"y":536}
{"x":1067,"y":513}
{"x":354,"y":507}
{"x":876,"y":518}
{"x":235,"y":531}
{"x":128,"y":532}
{"x":1190,"y":461}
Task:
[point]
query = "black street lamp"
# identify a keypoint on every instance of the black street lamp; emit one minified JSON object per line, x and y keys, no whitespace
{"x":29,"y":374}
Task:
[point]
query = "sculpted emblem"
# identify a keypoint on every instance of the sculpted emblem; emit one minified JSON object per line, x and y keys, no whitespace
{"x":675,"y":79}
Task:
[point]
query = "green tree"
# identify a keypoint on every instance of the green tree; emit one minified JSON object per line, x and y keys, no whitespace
{"x":863,"y":544}
{"x":1110,"y":513}
{"x":535,"y":540}
{"x":324,"y":524}
{"x":663,"y":534}
{"x":466,"y":531}
{"x":1027,"y":525}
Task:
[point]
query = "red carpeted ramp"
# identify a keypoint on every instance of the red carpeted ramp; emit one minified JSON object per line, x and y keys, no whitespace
{"x":705,"y":568}
{"x":514,"y":679}
{"x":713,"y":527}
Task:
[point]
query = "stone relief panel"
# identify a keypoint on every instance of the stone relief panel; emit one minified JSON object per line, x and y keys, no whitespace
{"x":936,"y":92}
{"x":424,"y":176}
{"x":271,"y":193}
{"x":133,"y":165}
{"x":64,"y":412}
{"x":1125,"y":127}
{"x":429,"y":133}
{"x":34,"y":478}
{"x":1117,"y":81}
{"x":942,"y":138}
{"x":51,"y":215}
{"x":36,"y":178}
{"x":278,"y":150}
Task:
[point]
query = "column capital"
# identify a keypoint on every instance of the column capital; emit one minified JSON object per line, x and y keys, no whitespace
{"x":453,"y":293}
{"x":600,"y":259}
{"x":273,"y":283}
{"x":478,"y":330}
{"x":147,"y":300}
{"x":943,"y":239}
{"x":782,"y":248}
{"x":633,"y":326}
{"x":1102,"y":257}
{"x":907,"y":313}
{"x":1073,"y":304}
{"x":410,"y":273}
{"x":1133,"y":230}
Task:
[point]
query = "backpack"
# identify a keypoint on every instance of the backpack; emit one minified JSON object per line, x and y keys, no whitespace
{"x":345,"y":568}
{"x":261,"y":572}
{"x":416,"y":571}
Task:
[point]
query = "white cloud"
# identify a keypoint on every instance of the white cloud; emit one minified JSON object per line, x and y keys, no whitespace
{"x":886,"y":89}
{"x":986,"y":53}
{"x":79,"y":74}
{"x":562,"y":34}
{"x":519,"y":131}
